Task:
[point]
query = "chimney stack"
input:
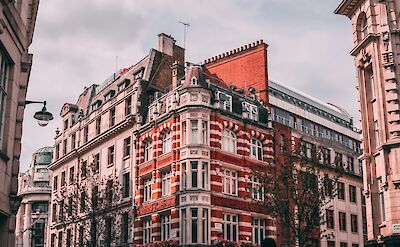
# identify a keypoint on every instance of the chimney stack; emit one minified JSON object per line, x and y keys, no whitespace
{"x":166,"y":44}
{"x":178,"y":71}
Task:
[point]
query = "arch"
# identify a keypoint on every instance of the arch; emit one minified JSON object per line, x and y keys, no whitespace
{"x":362,"y":26}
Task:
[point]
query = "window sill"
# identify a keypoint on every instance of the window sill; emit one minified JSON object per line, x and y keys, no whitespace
{"x":383,"y":224}
{"x":110,"y":165}
{"x":126,"y":157}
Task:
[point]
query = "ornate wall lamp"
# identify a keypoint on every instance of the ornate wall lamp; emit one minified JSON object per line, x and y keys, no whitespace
{"x":42,"y":116}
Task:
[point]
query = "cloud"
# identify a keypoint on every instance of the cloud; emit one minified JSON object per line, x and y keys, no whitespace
{"x":76,"y":43}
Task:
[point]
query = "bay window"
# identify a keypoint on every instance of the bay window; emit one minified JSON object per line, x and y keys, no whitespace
{"x":230,"y":181}
{"x":195,"y":225}
{"x":230,"y":227}
{"x":229,"y":141}
{"x":256,"y":149}
{"x":194,"y":131}
{"x":194,"y":174}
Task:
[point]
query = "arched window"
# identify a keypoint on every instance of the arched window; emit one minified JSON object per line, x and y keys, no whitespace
{"x":362,"y":26}
{"x":166,"y":142}
{"x":228,"y":141}
{"x":148,"y":150}
{"x":256,"y":149}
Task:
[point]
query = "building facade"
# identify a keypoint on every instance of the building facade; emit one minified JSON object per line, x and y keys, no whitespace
{"x":322,"y":125}
{"x":376,"y":35}
{"x":16,"y":33}
{"x":34,"y":190}
{"x":181,"y":145}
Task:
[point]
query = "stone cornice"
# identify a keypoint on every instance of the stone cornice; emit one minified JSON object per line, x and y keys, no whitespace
{"x":363,"y":43}
{"x":346,"y":7}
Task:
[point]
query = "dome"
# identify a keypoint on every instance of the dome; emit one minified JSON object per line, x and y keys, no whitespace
{"x":42,"y":156}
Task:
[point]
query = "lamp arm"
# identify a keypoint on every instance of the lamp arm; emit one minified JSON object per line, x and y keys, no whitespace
{"x":35,"y":102}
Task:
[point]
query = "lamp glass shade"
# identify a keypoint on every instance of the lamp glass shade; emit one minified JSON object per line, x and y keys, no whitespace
{"x":43,"y":117}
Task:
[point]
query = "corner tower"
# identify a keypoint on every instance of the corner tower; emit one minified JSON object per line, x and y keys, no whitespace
{"x":376,"y":49}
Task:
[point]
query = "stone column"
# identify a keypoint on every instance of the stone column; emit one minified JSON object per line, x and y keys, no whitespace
{"x":245,"y":227}
{"x":155,"y":227}
{"x":175,"y":224}
{"x":138,"y":231}
{"x":27,"y":223}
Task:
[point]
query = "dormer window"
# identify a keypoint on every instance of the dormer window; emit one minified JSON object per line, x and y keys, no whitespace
{"x":250,"y":111}
{"x":109,"y":95}
{"x":225,"y":101}
{"x":123,"y":85}
{"x":194,"y":81}
{"x":138,"y":75}
{"x":96,"y":105}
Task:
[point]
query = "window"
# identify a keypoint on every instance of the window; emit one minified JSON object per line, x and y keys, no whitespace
{"x":61,"y":210}
{"x":205,"y":225}
{"x":127,"y":147}
{"x":194,"y":170}
{"x":95,"y":197}
{"x":124,"y":227}
{"x":282,"y":143}
{"x":230,"y":227}
{"x":330,"y":220}
{"x":82,"y":201}
{"x":339,"y":159}
{"x":112,"y":117}
{"x":109,"y":191}
{"x":194,"y":224}
{"x":257,"y":190}
{"x":343,"y":244}
{"x":66,"y":124}
{"x":98,"y":125}
{"x":354,"y":245}
{"x":128,"y":106}
{"x":81,"y":235}
{"x":258,"y":229}
{"x":184,"y":225}
{"x":165,"y":227}
{"x":4,"y":71}
{"x":55,"y":183}
{"x":341,"y":191}
{"x":42,"y":207}
{"x":204,"y":132}
{"x":166,"y":184}
{"x":331,"y":243}
{"x":65,"y":143}
{"x":362,"y":26}
{"x":326,"y":156}
{"x":225,"y":101}
{"x":83,"y":169}
{"x":204,"y":175}
{"x":230,"y":182}
{"x":111,"y":155}
{"x":148,"y":150}
{"x":194,"y":132}
{"x":350,"y":164}
{"x":60,"y":239}
{"x":57,"y":152}
{"x":96,"y":163}
{"x":184,"y":176}
{"x":250,"y":111}
{"x":71,"y":174}
{"x":70,"y":202}
{"x":73,"y":141}
{"x":53,"y":240}
{"x":54,"y":212}
{"x":126,"y":185}
{"x":86,"y":134}
{"x":353,"y":193}
{"x":328,"y":186}
{"x":342,"y":221}
{"x":123,"y":85}
{"x":146,"y":231}
{"x":354,"y":223}
{"x":108,"y":231}
{"x":166,"y":142}
{"x":382,"y":205}
{"x":228,"y":141}
{"x":63,"y":179}
{"x":256,"y":149}
{"x":183,"y":133}
{"x":147,"y":190}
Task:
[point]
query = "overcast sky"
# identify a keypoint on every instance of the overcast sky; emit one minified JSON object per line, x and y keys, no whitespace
{"x":76,"y":42}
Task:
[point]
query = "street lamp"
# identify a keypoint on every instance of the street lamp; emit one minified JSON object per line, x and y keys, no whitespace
{"x":42,"y":116}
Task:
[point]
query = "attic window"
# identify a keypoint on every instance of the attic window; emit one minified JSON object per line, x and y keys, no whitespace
{"x":250,"y":111}
{"x":194,"y":81}
{"x":96,"y":105}
{"x":138,"y":75}
{"x":123,"y":85}
{"x":109,"y":95}
{"x":225,"y":101}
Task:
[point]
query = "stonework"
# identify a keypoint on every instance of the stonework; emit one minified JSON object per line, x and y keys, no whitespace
{"x":376,"y":35}
{"x":17,"y":23}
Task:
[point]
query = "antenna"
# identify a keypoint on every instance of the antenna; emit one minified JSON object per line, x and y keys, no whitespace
{"x":116,"y":67}
{"x":185,"y":26}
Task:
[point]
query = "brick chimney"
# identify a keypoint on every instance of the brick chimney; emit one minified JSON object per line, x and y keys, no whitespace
{"x":178,"y":71}
{"x":166,"y":44}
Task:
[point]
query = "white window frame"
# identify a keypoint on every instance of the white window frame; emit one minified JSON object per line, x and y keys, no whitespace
{"x":201,"y":173}
{"x":147,"y":231}
{"x":194,"y":131}
{"x":148,"y":150}
{"x":147,"y":190}
{"x":227,"y":104}
{"x":167,"y":142}
{"x":229,"y":141}
{"x":256,"y":149}
{"x":257,"y":190}
{"x":165,"y":227}
{"x":166,"y":184}
{"x":250,"y":111}
{"x":230,"y":182}
{"x":230,"y":221}
{"x":258,"y":226}
{"x":202,"y":221}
